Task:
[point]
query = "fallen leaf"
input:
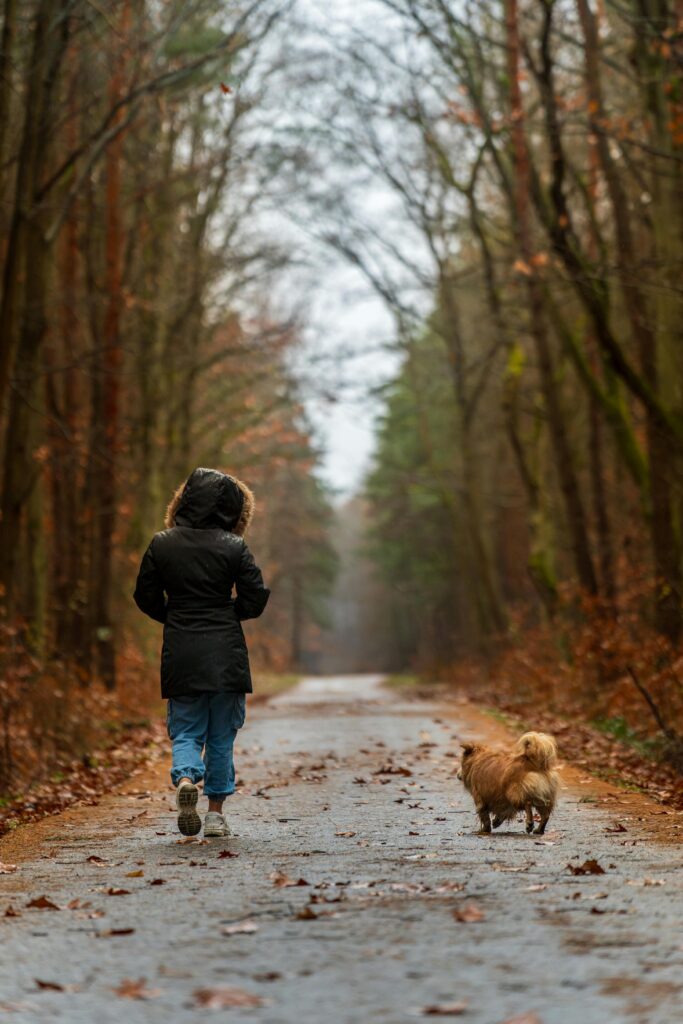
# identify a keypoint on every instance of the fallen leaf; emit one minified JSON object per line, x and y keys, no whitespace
{"x":225,"y":89}
{"x":7,"y":869}
{"x":535,"y":888}
{"x":43,"y":903}
{"x":450,"y":887}
{"x":523,"y":1018}
{"x":240,"y":928}
{"x":225,"y":998}
{"x":393,"y":769}
{"x":94,"y":859}
{"x":52,"y":986}
{"x":267,"y":976}
{"x":618,"y":827}
{"x":158,"y":881}
{"x":111,"y":891}
{"x":283,"y":881}
{"x":135,"y":874}
{"x":589,"y":867}
{"x":114,"y":931}
{"x":11,"y":912}
{"x":224,"y":854}
{"x":129,"y":989}
{"x":469,"y":914}
{"x":346,"y":835}
{"x":307,"y":914}
{"x":444,"y":1010}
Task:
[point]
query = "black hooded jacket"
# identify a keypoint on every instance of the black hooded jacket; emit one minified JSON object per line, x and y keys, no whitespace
{"x":186,"y":581}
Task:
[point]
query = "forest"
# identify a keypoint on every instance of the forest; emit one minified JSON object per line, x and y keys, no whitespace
{"x":506,"y":177}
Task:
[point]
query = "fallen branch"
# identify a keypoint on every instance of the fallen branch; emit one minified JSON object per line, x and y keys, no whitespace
{"x":670,"y":733}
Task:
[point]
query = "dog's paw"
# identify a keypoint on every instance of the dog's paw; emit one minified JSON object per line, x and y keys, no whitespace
{"x":529,"y":827}
{"x":497,"y":822}
{"x":540,"y":830}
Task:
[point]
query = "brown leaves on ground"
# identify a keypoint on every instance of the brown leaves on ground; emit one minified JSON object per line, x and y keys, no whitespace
{"x":346,"y":835}
{"x":523,"y":1018}
{"x":589,"y":867}
{"x":283,"y":881}
{"x":444,"y":1009}
{"x":43,"y":903}
{"x":82,"y":781}
{"x":556,"y":695}
{"x":306,"y":914}
{"x":225,"y":997}
{"x":225,"y":854}
{"x":393,"y":769}
{"x":129,"y":989}
{"x":469,"y":914}
{"x":7,"y":869}
{"x":55,"y":986}
{"x":113,"y":891}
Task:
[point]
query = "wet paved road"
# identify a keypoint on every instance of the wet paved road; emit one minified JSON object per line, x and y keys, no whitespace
{"x":353,"y":790}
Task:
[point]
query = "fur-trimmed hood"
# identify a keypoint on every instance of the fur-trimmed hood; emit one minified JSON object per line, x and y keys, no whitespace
{"x":209,"y":498}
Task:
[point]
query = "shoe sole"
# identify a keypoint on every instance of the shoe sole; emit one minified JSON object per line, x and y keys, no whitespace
{"x":189,"y":822}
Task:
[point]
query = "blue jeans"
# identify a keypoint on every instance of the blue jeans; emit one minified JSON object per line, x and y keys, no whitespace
{"x":205,"y":722}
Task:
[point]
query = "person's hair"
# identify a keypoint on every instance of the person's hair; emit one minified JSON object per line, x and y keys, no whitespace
{"x":246,"y":515}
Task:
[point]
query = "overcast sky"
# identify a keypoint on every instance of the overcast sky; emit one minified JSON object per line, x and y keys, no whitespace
{"x":348,"y":339}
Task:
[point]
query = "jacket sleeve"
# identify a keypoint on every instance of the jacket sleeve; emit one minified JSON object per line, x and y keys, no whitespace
{"x":252,"y":594}
{"x":149,"y":591}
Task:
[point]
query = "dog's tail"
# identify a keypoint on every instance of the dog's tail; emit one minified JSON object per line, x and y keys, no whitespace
{"x":539,"y":749}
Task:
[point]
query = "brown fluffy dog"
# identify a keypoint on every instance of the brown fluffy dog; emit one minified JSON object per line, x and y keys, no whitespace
{"x":502,"y":784}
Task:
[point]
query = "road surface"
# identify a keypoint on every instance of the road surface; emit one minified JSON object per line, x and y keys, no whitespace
{"x":406,"y":911}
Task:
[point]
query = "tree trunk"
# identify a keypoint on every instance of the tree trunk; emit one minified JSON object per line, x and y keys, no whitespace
{"x":22,"y":308}
{"x":40,"y":100}
{"x":665,"y":542}
{"x":564,"y":461}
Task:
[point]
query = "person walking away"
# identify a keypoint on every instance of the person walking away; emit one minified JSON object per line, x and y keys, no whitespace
{"x":186,"y":581}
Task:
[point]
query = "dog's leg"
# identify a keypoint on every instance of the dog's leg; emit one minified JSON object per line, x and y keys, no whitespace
{"x":497,"y":821}
{"x":529,"y":812}
{"x":484,"y":818}
{"x":545,"y":814}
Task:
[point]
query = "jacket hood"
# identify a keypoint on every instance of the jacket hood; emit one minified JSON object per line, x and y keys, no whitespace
{"x":208,"y":499}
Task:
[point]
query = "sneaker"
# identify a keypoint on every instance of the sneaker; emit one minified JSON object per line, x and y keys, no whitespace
{"x":186,"y":797}
{"x":215,"y":825}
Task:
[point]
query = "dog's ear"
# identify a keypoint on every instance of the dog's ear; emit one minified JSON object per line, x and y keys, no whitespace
{"x":468,"y":748}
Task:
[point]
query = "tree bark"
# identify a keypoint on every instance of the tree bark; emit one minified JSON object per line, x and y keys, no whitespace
{"x":112,"y":359}
{"x":564,"y":460}
{"x":665,"y":542}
